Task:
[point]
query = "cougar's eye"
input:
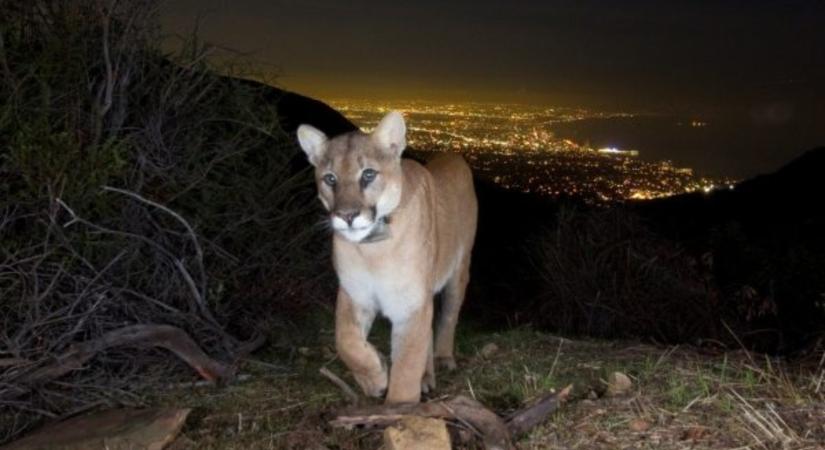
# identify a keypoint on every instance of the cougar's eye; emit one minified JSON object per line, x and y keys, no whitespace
{"x":330,"y":179}
{"x":367,"y":176}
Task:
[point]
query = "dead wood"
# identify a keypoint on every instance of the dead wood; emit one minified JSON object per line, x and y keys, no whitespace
{"x":460,"y":409}
{"x":495,"y":432}
{"x":164,"y":336}
{"x":531,"y":416}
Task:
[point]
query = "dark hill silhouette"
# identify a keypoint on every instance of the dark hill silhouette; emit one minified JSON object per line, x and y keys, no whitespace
{"x":766,"y":235}
{"x":296,"y":109}
{"x":799,"y":176}
{"x":787,"y":200}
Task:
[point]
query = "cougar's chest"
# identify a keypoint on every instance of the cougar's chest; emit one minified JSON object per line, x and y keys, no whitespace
{"x":388,"y":287}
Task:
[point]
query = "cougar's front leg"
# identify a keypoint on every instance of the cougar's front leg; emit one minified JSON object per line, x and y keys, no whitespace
{"x":411,"y":347}
{"x":352,"y":325}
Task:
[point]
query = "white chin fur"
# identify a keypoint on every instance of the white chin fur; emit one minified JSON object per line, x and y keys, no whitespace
{"x":338,"y":224}
{"x":355,"y":235}
{"x":361,"y":228}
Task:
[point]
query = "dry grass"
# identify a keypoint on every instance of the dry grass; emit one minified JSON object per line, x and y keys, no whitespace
{"x":681,"y":397}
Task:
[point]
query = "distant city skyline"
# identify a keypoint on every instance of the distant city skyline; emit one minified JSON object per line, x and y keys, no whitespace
{"x":517,"y":147}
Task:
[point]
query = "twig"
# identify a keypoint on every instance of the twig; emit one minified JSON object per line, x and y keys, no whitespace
{"x":273,"y":367}
{"x":738,"y":341}
{"x":353,"y":397}
{"x":201,"y":297}
{"x":165,"y":336}
{"x":206,"y":383}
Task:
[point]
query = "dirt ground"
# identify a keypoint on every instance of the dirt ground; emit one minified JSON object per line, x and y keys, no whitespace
{"x":681,"y":397}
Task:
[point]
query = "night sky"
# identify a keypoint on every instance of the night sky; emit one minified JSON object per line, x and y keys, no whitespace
{"x":761,"y":59}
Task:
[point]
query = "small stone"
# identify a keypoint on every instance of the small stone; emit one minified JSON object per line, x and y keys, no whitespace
{"x":604,"y":437}
{"x":417,"y":433}
{"x":304,"y":351}
{"x":618,"y":384}
{"x":592,"y":395}
{"x":639,"y":425}
{"x":694,"y":433}
{"x":488,"y":350}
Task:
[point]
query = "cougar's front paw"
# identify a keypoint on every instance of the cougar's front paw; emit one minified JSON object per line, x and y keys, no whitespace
{"x":373,"y":384}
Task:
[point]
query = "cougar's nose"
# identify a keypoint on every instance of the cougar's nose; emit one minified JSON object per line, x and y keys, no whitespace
{"x":348,"y":215}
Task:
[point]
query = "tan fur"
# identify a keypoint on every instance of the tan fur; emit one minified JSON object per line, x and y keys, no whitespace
{"x":431,"y":232}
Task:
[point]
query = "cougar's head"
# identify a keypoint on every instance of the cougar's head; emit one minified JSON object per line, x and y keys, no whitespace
{"x":358,"y":174}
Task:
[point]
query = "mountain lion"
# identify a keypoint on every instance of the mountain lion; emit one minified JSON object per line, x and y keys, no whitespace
{"x":402,"y":233}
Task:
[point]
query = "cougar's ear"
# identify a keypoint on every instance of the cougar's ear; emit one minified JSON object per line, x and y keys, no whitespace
{"x":313,"y":141}
{"x":391,"y":133}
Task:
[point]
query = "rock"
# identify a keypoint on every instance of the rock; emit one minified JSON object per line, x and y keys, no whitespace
{"x":695,"y":433}
{"x":488,"y":350}
{"x":618,"y":384}
{"x":117,"y":429}
{"x":639,"y":425}
{"x":417,"y":433}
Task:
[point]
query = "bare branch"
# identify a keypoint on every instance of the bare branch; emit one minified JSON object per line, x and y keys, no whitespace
{"x":171,"y":338}
{"x":189,"y":230}
{"x":353,"y":397}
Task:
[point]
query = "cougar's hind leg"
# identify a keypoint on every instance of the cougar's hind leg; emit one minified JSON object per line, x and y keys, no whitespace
{"x":428,"y":382}
{"x":452,"y":298}
{"x":352,"y":325}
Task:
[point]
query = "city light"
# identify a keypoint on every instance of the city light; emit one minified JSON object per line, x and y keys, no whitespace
{"x":516,"y":147}
{"x":616,"y":151}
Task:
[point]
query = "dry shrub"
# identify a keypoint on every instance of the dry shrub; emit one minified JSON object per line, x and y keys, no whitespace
{"x":135,"y":188}
{"x":605,"y":274}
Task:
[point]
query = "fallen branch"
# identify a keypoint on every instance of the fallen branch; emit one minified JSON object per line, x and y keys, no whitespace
{"x":165,"y":336}
{"x":495,"y":432}
{"x":531,"y":416}
{"x":461,"y":409}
